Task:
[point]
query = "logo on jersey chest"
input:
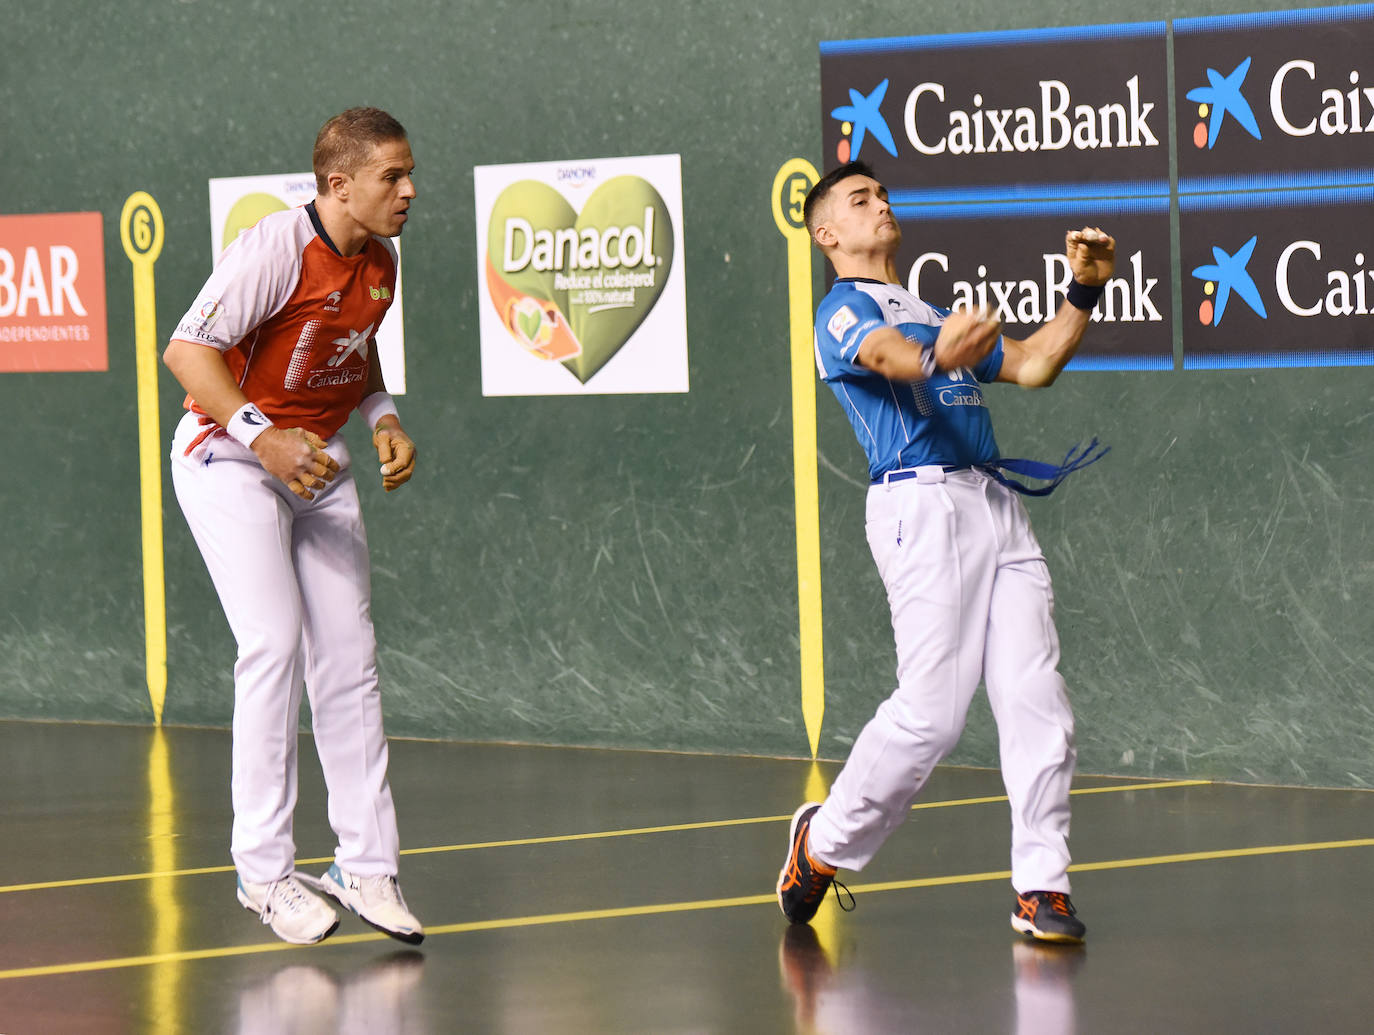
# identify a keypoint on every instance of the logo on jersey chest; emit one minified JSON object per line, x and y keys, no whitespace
{"x":354,"y":341}
{"x":952,"y":388}
{"x":335,"y":378}
{"x":301,"y":373}
{"x":966,"y":395}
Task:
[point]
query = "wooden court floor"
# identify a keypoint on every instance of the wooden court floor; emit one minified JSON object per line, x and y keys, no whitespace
{"x":573,"y":891}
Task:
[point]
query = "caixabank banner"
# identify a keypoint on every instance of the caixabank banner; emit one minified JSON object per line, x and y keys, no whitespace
{"x":1275,"y":183}
{"x":1281,"y":278}
{"x":238,"y":202}
{"x":942,"y":116}
{"x":980,"y":136}
{"x":993,"y":144}
{"x":582,"y":284}
{"x":1284,"y":98}
{"x":1009,"y":258}
{"x":52,"y":292}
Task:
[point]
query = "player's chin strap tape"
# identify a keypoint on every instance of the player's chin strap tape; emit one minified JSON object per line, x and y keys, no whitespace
{"x":1074,"y":460}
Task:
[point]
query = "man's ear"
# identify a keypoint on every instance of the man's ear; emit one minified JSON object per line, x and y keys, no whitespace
{"x":338,"y":185}
{"x":824,"y":236}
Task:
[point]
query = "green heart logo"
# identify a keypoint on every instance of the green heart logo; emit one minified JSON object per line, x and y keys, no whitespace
{"x":529,"y":320}
{"x":573,"y":286}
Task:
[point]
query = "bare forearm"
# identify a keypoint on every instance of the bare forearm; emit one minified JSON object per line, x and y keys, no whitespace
{"x":887,"y":352}
{"x":202,"y":371}
{"x":1038,"y":360}
{"x":965,"y":339}
{"x":375,"y":381}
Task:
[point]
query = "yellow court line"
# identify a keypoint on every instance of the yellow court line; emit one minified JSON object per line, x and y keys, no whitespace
{"x":660,"y":909}
{"x":76,"y":882}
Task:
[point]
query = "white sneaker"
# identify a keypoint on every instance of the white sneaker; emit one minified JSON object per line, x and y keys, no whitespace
{"x":293,"y":913}
{"x":377,"y":900}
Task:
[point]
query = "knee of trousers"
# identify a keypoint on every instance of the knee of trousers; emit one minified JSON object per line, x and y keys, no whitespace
{"x":269,"y":655}
{"x":935,"y":730}
{"x":1040,"y":698}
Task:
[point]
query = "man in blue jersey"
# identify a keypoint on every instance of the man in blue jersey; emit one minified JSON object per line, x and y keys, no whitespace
{"x":966,"y":580}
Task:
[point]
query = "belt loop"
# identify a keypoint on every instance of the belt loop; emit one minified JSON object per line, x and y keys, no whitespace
{"x":930,"y":475}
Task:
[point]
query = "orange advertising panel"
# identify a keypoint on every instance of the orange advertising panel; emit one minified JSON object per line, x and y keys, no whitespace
{"x":52,"y":292}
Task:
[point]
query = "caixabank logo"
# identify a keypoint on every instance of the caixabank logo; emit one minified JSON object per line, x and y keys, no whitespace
{"x":1278,"y":280}
{"x":968,"y":261}
{"x":1038,"y":106}
{"x":1274,"y":96}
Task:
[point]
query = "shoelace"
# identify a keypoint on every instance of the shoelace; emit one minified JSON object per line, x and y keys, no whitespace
{"x":839,"y":901}
{"x":386,"y":887}
{"x":794,"y":877}
{"x":292,"y":901}
{"x":1060,"y":903}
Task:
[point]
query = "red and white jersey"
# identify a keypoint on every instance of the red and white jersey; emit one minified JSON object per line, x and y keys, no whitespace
{"x":295,"y":319}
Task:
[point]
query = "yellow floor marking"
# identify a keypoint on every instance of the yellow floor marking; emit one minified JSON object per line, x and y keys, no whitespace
{"x":164,"y":986}
{"x":659,"y":909}
{"x":790,"y":186}
{"x":561,"y":838}
{"x":141,"y":232}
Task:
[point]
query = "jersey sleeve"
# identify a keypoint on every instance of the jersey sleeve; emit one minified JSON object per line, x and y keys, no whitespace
{"x":991,"y":364}
{"x":842,"y":324}
{"x":253,"y":279}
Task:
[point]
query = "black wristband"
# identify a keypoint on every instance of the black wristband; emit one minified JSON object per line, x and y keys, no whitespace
{"x":1084,"y":296}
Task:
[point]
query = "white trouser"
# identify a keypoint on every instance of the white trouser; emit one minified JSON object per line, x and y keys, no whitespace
{"x":971,"y":598}
{"x":294,"y":582}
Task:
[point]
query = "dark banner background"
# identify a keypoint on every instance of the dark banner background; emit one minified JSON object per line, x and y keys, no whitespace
{"x":1334,"y":223}
{"x":1336,"y":41}
{"x":1004,"y":71}
{"x":1015,"y":243}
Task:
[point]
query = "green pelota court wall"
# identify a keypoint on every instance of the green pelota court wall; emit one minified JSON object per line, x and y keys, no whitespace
{"x":620,"y":570}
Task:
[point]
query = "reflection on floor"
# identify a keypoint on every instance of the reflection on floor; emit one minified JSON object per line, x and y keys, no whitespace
{"x":598,"y":891}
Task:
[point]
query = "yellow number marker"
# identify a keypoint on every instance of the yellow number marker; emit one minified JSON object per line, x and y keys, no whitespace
{"x":794,"y":179}
{"x":140,"y":230}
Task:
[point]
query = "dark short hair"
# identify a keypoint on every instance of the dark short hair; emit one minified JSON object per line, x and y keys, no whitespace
{"x":346,"y":142}
{"x":821,"y":190}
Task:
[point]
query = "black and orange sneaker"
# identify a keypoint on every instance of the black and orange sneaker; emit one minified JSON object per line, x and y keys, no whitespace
{"x":1048,"y":916}
{"x":803,"y":882}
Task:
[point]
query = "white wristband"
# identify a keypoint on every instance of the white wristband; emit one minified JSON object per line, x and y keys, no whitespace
{"x":376,"y":406}
{"x":247,"y":423}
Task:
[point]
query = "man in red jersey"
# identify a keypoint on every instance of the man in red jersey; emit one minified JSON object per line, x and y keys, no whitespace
{"x":275,"y":354}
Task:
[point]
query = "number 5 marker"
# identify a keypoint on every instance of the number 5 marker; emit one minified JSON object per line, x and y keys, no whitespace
{"x":794,"y":179}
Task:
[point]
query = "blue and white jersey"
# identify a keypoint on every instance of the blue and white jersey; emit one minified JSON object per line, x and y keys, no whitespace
{"x":943,"y":420}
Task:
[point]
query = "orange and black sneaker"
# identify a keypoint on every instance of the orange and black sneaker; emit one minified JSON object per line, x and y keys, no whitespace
{"x":1048,"y":916}
{"x":803,"y":882}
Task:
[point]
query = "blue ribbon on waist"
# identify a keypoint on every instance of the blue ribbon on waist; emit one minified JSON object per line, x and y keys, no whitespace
{"x":1074,"y":460}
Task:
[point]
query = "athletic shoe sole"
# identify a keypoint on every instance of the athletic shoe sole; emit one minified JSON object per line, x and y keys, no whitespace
{"x":336,"y":893}
{"x":1026,"y":927}
{"x":792,"y":842}
{"x":249,"y":905}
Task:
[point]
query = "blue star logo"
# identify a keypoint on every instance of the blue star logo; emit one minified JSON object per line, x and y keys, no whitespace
{"x":862,"y":112}
{"x":1225,"y":98}
{"x":1229,"y":274}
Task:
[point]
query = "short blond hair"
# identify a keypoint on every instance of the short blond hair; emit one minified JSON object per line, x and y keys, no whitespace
{"x":346,"y":142}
